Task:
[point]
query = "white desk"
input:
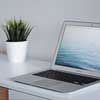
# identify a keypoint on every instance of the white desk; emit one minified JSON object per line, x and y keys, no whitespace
{"x":9,"y":70}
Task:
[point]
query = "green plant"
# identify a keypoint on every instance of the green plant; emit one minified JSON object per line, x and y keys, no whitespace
{"x":17,"y":30}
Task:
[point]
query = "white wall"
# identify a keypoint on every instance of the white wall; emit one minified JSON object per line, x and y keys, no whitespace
{"x":47,"y":17}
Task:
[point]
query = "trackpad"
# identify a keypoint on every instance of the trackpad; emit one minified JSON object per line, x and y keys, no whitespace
{"x":46,"y":83}
{"x":55,"y":85}
{"x":67,"y":87}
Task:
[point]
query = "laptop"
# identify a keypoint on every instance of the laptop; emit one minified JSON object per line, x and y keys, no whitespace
{"x":76,"y":61}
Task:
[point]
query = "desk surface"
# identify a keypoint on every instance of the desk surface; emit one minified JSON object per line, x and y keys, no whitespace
{"x":9,"y":70}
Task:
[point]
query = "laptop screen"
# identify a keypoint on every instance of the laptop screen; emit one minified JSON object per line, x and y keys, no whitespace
{"x":80,"y":48}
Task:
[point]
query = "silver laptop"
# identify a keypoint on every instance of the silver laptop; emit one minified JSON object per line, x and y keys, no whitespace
{"x":76,"y":62}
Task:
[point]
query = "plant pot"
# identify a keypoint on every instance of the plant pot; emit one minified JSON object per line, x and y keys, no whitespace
{"x":16,"y":51}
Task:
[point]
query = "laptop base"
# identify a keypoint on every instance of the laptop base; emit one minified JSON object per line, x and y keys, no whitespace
{"x":55,"y":80}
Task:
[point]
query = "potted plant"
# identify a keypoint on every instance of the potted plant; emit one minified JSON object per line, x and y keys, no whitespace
{"x":17,"y":32}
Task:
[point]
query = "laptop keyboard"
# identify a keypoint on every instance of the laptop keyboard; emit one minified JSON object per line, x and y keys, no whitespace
{"x":66,"y":77}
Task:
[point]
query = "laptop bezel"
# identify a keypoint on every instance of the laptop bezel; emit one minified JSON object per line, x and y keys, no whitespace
{"x":66,"y":68}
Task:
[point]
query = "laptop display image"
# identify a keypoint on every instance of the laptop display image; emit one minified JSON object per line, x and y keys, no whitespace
{"x":76,"y":62}
{"x":80,"y":48}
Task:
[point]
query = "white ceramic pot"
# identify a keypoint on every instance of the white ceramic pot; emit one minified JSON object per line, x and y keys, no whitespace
{"x":16,"y":51}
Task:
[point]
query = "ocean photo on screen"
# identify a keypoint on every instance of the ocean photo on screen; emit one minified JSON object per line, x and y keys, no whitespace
{"x":80,"y":48}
